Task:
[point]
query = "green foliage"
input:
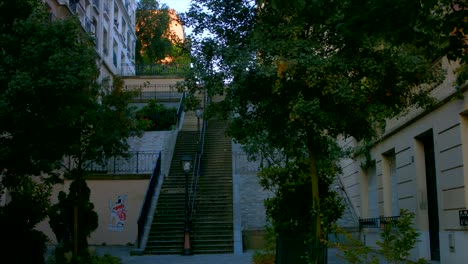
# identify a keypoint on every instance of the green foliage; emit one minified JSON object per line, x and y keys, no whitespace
{"x":51,"y":106}
{"x":156,"y":117}
{"x":92,"y":259}
{"x":297,"y":74}
{"x":263,"y":258}
{"x":291,"y":185}
{"x":18,"y":218}
{"x":155,"y":41}
{"x":353,"y":249}
{"x":267,"y":254}
{"x":106,"y":259}
{"x":47,"y":72}
{"x":152,"y":24}
{"x":71,"y":206}
{"x":47,"y":69}
{"x":394,"y":245}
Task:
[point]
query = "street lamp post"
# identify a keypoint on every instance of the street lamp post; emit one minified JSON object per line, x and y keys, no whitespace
{"x":198,"y":112}
{"x":186,"y":162}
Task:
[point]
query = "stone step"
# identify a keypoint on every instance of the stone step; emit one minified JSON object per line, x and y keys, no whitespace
{"x":212,"y":222}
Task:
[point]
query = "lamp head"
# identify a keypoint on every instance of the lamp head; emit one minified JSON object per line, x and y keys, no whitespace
{"x":199,"y":111}
{"x":186,"y":162}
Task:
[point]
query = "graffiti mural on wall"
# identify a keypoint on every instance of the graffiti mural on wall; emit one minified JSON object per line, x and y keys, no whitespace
{"x":118,"y":213}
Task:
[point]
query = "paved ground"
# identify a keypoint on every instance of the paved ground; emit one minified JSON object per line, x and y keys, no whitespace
{"x":246,"y":258}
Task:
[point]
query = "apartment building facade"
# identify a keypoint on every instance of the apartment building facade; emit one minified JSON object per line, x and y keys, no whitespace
{"x":111,"y":23}
{"x":420,"y":163}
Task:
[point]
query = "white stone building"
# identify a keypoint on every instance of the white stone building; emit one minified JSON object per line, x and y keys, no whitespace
{"x":419,"y":163}
{"x":112,"y":22}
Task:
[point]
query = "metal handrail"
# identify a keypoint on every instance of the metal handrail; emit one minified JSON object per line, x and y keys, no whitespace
{"x":180,"y":110}
{"x":197,"y":171}
{"x":143,"y":218}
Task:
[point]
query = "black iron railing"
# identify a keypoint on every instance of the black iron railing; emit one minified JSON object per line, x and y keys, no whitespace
{"x":142,"y":219}
{"x":391,"y":220}
{"x":378,"y":222}
{"x":138,"y":162}
{"x":158,"y":92}
{"x":154,"y":69}
{"x":463,"y":217}
{"x":197,"y":171}
{"x":369,"y":223}
{"x":180,"y":109}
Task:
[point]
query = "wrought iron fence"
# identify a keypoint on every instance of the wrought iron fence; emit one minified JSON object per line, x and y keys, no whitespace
{"x":158,"y":92}
{"x":154,"y":69}
{"x":137,"y":162}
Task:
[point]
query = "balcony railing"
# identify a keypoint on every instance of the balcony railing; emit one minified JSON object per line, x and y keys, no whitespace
{"x":463,"y":217}
{"x":378,"y":222}
{"x":138,"y":162}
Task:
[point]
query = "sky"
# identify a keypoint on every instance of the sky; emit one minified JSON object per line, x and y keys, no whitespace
{"x":179,"y":5}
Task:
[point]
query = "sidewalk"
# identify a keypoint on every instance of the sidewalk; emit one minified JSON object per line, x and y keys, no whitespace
{"x":246,"y":258}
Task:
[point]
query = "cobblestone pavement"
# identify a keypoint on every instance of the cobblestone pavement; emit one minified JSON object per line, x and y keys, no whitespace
{"x":246,"y":258}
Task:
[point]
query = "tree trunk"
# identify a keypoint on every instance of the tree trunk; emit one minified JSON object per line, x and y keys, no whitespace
{"x":76,"y":211}
{"x":316,"y":229}
{"x":75,"y":231}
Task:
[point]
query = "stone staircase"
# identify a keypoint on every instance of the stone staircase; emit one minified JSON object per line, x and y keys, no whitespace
{"x":213,"y":220}
{"x":167,"y":230}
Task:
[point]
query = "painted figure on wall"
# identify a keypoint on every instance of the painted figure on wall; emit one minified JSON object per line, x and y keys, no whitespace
{"x":118,"y":213}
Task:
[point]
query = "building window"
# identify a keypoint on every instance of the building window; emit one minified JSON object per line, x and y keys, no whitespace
{"x":390,"y":184}
{"x":105,"y":41}
{"x":373,"y":192}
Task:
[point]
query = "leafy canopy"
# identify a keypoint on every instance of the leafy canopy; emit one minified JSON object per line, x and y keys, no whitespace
{"x":154,"y":39}
{"x":51,"y":106}
{"x":297,"y":74}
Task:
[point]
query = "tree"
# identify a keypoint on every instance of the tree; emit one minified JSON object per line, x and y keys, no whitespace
{"x":51,"y":106}
{"x":105,"y":123}
{"x":296,"y":75}
{"x":154,"y":40}
{"x":64,"y":220}
{"x":28,"y":205}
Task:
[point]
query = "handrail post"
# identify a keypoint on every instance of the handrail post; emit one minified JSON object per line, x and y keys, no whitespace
{"x":137,"y":162}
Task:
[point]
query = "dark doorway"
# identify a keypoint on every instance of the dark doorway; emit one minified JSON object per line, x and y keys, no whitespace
{"x":427,"y":139}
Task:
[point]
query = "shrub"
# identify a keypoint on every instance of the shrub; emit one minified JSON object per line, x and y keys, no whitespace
{"x":263,"y":257}
{"x":156,"y":117}
{"x":267,"y":255}
{"x":395,"y":243}
{"x":91,"y":259}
